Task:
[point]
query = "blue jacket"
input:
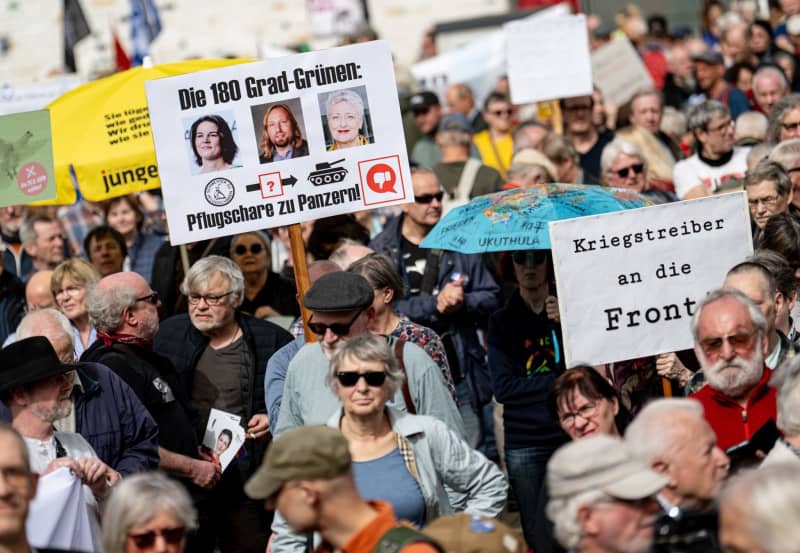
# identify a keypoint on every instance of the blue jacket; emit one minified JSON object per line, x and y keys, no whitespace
{"x":113,"y":420}
{"x":481,"y":298}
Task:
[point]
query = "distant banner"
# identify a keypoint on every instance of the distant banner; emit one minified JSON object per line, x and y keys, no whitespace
{"x":26,"y":158}
{"x":618,"y":71}
{"x":629,"y":282}
{"x":273,"y":143}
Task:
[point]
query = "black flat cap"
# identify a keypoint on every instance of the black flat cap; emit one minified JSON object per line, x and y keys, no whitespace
{"x":339,"y":291}
{"x":29,"y":360}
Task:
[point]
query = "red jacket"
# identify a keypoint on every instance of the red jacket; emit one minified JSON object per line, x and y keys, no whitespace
{"x":732,"y":423}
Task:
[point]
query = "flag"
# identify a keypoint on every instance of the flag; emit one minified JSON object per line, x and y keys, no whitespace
{"x":145,"y":26}
{"x":75,"y":28}
{"x":121,"y":59}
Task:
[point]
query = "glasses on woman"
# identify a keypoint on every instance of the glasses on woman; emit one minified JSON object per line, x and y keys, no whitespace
{"x":637,"y":169}
{"x":349,"y":379}
{"x":586,"y":412}
{"x":172,"y":536}
{"x":254,"y":249}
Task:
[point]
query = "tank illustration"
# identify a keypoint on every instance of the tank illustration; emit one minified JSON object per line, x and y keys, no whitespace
{"x":324,"y":173}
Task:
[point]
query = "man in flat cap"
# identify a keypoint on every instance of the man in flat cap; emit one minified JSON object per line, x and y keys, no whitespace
{"x":307,"y":478}
{"x":341,"y":308}
{"x":602,"y":497}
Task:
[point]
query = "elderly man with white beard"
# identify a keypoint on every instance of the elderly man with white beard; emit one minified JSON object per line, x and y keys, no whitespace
{"x":731,"y":344}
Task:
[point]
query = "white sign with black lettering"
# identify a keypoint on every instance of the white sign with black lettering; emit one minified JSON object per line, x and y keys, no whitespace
{"x":278,"y":142}
{"x":628,"y":282}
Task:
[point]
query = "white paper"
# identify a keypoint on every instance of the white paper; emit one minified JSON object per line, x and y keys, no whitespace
{"x":224,"y":437}
{"x":251,"y":195}
{"x":548,"y":58}
{"x":632,"y":292}
{"x":618,"y":71}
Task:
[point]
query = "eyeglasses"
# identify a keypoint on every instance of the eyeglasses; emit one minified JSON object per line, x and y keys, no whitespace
{"x":71,"y":291}
{"x":791,"y":127}
{"x":172,"y":536}
{"x":741,"y":343}
{"x":150,"y":298}
{"x":721,"y":127}
{"x":501,"y":112}
{"x":211,"y":299}
{"x":637,"y":168}
{"x":533,"y":257}
{"x":428,"y":198}
{"x":241,"y":249}
{"x":585,"y":412}
{"x":340,"y":329}
{"x":350,"y":378}
{"x":768,"y":201}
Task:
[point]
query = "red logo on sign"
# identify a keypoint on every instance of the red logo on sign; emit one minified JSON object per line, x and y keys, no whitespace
{"x":32,"y":178}
{"x":381,"y":178}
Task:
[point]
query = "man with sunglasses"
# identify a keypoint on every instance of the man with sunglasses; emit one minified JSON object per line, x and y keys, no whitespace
{"x":221,"y":356}
{"x":716,"y":166}
{"x":452,"y":293}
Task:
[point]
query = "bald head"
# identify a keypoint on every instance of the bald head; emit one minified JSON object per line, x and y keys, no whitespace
{"x":54,"y":326}
{"x":348,"y":253}
{"x":321,"y":268}
{"x":38,"y":294}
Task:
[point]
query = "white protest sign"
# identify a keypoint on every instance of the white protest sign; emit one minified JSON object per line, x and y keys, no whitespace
{"x":628,"y":282}
{"x":548,"y":58}
{"x":478,"y":63}
{"x":618,"y":71}
{"x":278,"y":142}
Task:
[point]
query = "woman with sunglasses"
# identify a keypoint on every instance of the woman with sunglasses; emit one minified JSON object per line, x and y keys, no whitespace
{"x":266,"y":294}
{"x":124,"y":214}
{"x":401,"y":458}
{"x":525,"y":357}
{"x":625,"y":166}
{"x":71,"y":282}
{"x":148,"y":513}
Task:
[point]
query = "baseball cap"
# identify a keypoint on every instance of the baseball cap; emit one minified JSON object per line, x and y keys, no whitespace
{"x":465,"y":533}
{"x":455,"y":122}
{"x":709,"y":56}
{"x":339,"y":291}
{"x":421,"y":101}
{"x":601,"y":463}
{"x":305,"y":453}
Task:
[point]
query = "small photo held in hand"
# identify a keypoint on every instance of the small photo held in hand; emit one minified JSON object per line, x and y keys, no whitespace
{"x":223,"y":438}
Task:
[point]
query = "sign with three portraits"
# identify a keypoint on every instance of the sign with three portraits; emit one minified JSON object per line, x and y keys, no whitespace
{"x":278,"y":142}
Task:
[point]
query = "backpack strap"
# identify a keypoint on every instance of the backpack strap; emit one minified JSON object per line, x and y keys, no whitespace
{"x":397,"y":538}
{"x":399,"y":344}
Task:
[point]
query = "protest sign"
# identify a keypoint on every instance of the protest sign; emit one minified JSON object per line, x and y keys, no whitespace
{"x":26,"y":158}
{"x":223,"y":438}
{"x":618,"y":71}
{"x":58,"y":517}
{"x":548,"y":58}
{"x":279,"y":142}
{"x":629,"y":282}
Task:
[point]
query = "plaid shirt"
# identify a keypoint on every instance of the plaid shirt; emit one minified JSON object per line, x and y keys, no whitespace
{"x":78,"y":219}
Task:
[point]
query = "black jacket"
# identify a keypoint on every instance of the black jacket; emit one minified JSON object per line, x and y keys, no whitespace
{"x":179,"y":341}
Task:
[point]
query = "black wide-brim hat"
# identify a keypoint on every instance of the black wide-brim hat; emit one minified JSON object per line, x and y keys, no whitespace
{"x":29,"y":360}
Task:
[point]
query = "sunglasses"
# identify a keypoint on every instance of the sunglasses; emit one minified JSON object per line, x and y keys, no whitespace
{"x":340,"y":329}
{"x":150,"y":298}
{"x":534,"y":257}
{"x":501,"y":112}
{"x":428,"y":198}
{"x":350,"y":378}
{"x":625,"y":171}
{"x":241,"y":249}
{"x":172,"y":536}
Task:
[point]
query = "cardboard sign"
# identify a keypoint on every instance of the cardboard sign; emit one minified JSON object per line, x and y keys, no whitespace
{"x":273,"y":143}
{"x":548,"y":58}
{"x":26,"y":158}
{"x":629,"y":282}
{"x":618,"y":71}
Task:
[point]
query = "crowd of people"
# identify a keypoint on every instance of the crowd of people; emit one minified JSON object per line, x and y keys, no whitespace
{"x":433,"y":411}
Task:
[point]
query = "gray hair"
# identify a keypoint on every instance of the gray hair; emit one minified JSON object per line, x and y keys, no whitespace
{"x":702,"y":114}
{"x":770,"y":171}
{"x":645,"y":93}
{"x":780,"y":269}
{"x":27,"y":230}
{"x":563,"y":512}
{"x":645,"y":436}
{"x":787,"y":153}
{"x":345,"y":95}
{"x":367,"y":347}
{"x":673,"y":122}
{"x":758,"y":153}
{"x":771,"y":498}
{"x":105,"y":306}
{"x":751,"y":124}
{"x":755,"y":314}
{"x":139,"y":498}
{"x":31,"y":324}
{"x":787,"y":381}
{"x":616,"y":147}
{"x":769,"y":71}
{"x":780,"y":110}
{"x":204,"y":270}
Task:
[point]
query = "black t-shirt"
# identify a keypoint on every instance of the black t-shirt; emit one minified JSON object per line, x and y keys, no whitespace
{"x":414,"y":261}
{"x":590,"y":161}
{"x":278,"y":293}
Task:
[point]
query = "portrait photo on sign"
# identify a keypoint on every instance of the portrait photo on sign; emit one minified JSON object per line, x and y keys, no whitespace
{"x":211,"y":143}
{"x":280,"y":130}
{"x":223,"y":438}
{"x":346,"y":118}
